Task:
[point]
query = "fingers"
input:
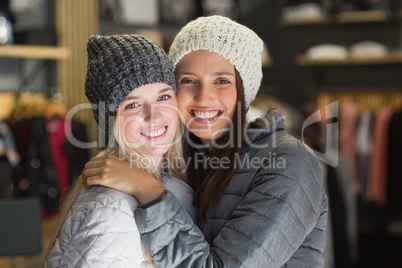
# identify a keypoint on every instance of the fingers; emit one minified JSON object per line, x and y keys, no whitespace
{"x":89,"y":172}
{"x":93,"y":164}
{"x":94,"y":180}
{"x":100,"y":161}
{"x":93,"y":169}
{"x":95,"y":176}
{"x":97,"y":170}
{"x":103,"y":157}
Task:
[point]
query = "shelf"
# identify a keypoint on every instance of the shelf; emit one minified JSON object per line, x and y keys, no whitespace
{"x":343,"y":17}
{"x":34,"y":52}
{"x":361,"y":16}
{"x":391,"y":58}
{"x":314,"y":21}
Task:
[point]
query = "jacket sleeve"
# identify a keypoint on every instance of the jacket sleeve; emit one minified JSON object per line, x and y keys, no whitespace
{"x":103,"y":237}
{"x":281,"y":219}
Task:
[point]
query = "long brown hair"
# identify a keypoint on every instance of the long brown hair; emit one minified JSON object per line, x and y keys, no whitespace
{"x":209,"y":183}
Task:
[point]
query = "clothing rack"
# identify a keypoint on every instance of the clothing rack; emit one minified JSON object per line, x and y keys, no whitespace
{"x":30,"y":103}
{"x":369,"y":127}
{"x":366,"y":99}
{"x":49,"y":161}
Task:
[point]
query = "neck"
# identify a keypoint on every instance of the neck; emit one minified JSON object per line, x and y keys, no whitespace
{"x":157,"y":160}
{"x":208,"y":144}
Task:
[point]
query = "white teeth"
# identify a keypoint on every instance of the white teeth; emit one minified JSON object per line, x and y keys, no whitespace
{"x":205,"y":115}
{"x":156,"y":133}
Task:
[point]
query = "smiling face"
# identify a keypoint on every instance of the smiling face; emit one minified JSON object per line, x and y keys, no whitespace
{"x":148,"y":119}
{"x":207,"y":94}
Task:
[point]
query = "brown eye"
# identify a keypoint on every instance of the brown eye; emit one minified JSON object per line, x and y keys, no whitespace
{"x":186,"y":81}
{"x":223,"y":81}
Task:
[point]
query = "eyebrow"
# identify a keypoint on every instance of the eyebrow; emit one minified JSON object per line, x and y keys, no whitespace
{"x":159,"y":92}
{"x":223,"y":73}
{"x":165,"y":89}
{"x":213,"y":74}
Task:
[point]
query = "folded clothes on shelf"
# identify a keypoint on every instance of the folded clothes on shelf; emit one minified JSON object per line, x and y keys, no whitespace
{"x":306,"y":11}
{"x":368,"y":49}
{"x":363,"y":49}
{"x":327,"y":52}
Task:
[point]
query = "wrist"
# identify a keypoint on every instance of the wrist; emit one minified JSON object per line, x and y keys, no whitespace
{"x":151,"y":193}
{"x":150,"y":190}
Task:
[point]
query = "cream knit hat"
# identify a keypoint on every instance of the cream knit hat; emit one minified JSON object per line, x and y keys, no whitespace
{"x":231,"y":40}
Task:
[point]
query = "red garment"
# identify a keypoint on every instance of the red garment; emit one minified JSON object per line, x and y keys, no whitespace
{"x":376,"y":187}
{"x":347,"y":140}
{"x":57,"y":137}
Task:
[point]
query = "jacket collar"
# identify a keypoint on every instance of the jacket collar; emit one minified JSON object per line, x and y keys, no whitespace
{"x":270,"y":123}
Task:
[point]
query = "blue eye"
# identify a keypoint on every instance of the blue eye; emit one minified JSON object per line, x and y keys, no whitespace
{"x":131,"y":105}
{"x":164,"y":97}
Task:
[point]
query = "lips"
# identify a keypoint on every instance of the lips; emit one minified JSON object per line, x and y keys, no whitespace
{"x":205,"y":116}
{"x":155,"y":133}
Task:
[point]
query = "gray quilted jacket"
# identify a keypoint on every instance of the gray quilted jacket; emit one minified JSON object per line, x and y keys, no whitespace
{"x":100,"y":230}
{"x":272,"y":214}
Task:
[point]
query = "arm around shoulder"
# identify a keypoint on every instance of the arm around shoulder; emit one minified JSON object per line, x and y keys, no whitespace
{"x":282,"y":214}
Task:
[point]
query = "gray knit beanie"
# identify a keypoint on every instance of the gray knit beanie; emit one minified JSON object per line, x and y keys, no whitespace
{"x":119,"y":64}
{"x":235,"y":42}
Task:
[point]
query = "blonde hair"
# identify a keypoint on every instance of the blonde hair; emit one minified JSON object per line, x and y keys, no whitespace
{"x":119,"y":146}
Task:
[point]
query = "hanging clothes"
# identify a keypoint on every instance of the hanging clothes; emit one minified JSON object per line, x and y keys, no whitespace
{"x":56,"y":133}
{"x":39,"y":176}
{"x":347,"y":139}
{"x":376,"y":190}
{"x":338,"y":214}
{"x":394,"y":160}
{"x":77,"y":156}
{"x":364,"y":148}
{"x":8,"y":144}
{"x":49,"y":162}
{"x":9,"y":158}
{"x":369,"y":142}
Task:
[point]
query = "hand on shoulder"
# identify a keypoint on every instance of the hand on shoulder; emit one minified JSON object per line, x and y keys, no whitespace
{"x":110,"y":171}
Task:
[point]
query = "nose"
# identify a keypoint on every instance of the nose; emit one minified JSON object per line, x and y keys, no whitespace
{"x":204,"y":95}
{"x":151,"y":113}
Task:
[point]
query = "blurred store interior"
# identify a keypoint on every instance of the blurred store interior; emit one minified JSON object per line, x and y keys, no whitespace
{"x":332,"y":68}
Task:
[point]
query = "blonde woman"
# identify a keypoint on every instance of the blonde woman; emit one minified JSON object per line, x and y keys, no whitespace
{"x":131,"y":86}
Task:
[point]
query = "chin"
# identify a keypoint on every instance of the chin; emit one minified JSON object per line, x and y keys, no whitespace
{"x":157,"y":152}
{"x":203,"y":135}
